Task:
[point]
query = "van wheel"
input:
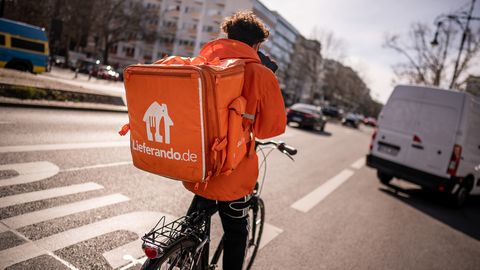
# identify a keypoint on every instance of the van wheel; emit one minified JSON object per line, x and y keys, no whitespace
{"x":458,"y":199}
{"x":384,"y":177}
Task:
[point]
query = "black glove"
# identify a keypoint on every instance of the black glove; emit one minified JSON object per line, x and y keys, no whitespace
{"x":268,"y":62}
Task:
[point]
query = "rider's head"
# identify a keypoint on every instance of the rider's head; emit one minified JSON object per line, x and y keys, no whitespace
{"x":244,"y":26}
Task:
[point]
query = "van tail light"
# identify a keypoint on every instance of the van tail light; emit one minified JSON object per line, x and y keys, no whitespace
{"x":454,"y":160}
{"x":151,"y":251}
{"x":287,"y":110}
{"x":374,"y":135}
{"x":417,"y":139}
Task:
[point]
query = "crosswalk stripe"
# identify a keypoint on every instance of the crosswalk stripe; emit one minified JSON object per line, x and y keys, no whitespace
{"x":316,"y":196}
{"x":28,"y":172}
{"x":64,"y":210}
{"x":65,"y":146}
{"x":47,"y":194}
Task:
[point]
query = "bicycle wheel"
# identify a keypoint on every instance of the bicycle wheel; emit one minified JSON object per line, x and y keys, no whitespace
{"x":180,"y":256}
{"x":256,"y":220}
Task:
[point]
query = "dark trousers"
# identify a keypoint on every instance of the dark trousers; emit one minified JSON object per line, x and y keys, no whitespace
{"x":234,"y":216}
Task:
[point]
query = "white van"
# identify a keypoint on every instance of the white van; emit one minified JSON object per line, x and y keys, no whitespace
{"x":430,"y":137}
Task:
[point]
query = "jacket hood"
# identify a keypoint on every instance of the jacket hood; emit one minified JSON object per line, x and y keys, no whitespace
{"x":229,"y":48}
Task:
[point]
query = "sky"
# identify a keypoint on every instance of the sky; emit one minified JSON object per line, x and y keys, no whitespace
{"x":362,"y":25}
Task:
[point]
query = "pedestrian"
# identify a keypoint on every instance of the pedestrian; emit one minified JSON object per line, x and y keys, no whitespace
{"x":231,"y":194}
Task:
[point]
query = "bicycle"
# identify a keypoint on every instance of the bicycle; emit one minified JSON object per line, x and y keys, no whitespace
{"x":184,"y":243}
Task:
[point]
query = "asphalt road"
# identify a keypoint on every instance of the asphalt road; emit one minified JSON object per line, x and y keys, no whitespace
{"x":70,"y":199}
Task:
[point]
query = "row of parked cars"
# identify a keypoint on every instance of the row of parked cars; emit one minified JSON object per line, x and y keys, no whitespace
{"x":315,"y":117}
{"x":91,"y":67}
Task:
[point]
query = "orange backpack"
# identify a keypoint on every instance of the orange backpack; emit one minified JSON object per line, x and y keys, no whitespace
{"x":186,"y":117}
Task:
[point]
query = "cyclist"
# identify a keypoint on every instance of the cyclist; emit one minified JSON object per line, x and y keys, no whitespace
{"x":231,"y":194}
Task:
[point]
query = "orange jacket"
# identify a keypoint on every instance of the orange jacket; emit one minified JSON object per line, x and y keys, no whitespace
{"x":265,"y":100}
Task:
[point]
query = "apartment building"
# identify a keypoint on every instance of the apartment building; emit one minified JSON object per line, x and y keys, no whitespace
{"x":180,"y":27}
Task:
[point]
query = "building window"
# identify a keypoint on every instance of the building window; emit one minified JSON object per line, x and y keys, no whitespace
{"x":130,"y":52}
{"x":27,"y":45}
{"x":114,"y":49}
{"x":207,"y":28}
{"x":2,"y":40}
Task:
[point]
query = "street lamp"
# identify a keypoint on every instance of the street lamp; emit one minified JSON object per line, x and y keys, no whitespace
{"x":434,"y":42}
{"x":466,"y":31}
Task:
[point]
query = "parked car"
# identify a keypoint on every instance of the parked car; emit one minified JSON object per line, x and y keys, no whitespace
{"x":307,"y":116}
{"x":430,"y":137}
{"x":107,"y":73}
{"x":351,"y":120}
{"x":331,"y":111}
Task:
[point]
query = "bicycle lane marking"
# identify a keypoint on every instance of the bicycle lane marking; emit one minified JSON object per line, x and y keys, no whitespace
{"x":28,"y":172}
{"x":63,"y":210}
{"x":65,"y":146}
{"x":270,"y":232}
{"x":359,"y":163}
{"x":143,"y":221}
{"x":310,"y":200}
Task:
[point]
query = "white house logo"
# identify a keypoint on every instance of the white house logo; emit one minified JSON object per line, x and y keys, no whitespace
{"x":152,"y":118}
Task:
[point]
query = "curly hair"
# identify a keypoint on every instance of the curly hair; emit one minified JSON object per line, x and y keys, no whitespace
{"x":244,"y":26}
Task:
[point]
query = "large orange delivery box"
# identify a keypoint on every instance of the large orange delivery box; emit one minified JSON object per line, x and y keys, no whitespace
{"x":185,"y":117}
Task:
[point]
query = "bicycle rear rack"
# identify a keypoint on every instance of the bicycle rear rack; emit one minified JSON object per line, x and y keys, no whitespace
{"x":162,"y":235}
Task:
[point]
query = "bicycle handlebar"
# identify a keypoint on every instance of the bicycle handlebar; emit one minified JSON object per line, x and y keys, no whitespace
{"x":281,"y":146}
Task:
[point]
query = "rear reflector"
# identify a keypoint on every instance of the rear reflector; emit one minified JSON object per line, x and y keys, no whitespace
{"x":150,"y":251}
{"x":454,"y":160}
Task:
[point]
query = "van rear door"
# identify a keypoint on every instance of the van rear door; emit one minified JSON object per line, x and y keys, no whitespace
{"x":433,"y":137}
{"x":395,"y":129}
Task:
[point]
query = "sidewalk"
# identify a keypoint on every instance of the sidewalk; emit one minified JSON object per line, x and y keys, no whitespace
{"x":60,"y":88}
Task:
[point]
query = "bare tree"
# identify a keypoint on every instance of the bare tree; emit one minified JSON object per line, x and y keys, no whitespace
{"x":427,"y":64}
{"x":119,"y":20}
{"x":332,"y":47}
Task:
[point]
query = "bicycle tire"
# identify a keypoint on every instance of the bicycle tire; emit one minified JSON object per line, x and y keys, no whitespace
{"x":184,"y":247}
{"x":252,"y":248}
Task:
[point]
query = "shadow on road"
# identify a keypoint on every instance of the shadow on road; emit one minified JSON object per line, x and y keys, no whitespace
{"x":466,"y":219}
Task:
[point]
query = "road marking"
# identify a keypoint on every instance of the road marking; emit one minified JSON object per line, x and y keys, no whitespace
{"x":28,"y":172}
{"x":47,"y":194}
{"x":136,"y":222}
{"x":64,"y":210}
{"x":3,"y":228}
{"x":313,"y":198}
{"x":5,"y":122}
{"x":98,"y":166}
{"x":270,"y":232}
{"x":359,"y":163}
{"x":66,"y":146}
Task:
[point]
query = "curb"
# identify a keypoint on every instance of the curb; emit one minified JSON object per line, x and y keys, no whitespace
{"x":19,"y":95}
